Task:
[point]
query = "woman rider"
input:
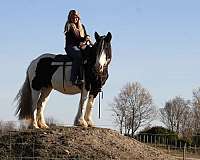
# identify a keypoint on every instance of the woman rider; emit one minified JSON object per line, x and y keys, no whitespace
{"x":75,"y":34}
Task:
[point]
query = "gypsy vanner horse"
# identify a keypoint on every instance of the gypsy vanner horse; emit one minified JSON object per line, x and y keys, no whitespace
{"x":50,"y":71}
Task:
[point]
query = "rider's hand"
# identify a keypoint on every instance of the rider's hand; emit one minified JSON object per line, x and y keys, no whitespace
{"x":87,"y":38}
{"x":82,"y":45}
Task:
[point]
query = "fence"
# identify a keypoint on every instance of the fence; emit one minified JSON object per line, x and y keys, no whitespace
{"x":172,"y":145}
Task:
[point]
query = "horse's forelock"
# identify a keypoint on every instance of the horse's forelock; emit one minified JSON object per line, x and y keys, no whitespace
{"x":108,"y":51}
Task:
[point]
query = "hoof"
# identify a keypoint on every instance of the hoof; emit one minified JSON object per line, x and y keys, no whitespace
{"x":81,"y":122}
{"x":34,"y":126}
{"x":43,"y":126}
{"x":90,"y":124}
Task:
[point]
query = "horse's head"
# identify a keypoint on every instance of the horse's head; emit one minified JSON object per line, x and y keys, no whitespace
{"x":102,"y":51}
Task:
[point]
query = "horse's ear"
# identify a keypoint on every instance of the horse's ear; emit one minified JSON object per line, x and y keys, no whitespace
{"x":96,"y":35}
{"x":108,"y":37}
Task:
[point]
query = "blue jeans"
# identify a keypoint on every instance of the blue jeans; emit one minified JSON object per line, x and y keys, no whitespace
{"x":75,"y":53}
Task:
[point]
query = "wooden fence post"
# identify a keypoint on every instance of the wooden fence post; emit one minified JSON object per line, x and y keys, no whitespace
{"x":184,"y":150}
{"x":168,"y":149}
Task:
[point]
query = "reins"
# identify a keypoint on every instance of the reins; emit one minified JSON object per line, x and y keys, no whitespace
{"x":64,"y":76}
{"x":100,"y":97}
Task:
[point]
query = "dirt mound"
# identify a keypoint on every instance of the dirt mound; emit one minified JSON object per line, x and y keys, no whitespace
{"x":75,"y":143}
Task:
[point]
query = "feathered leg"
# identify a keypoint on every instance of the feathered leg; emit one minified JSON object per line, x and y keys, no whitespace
{"x":41,"y":106}
{"x":79,"y":120}
{"x":88,"y":113}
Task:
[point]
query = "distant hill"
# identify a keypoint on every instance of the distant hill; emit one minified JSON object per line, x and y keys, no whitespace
{"x":75,"y":143}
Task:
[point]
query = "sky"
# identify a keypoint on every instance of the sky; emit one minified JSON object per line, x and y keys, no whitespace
{"x":155,"y":43}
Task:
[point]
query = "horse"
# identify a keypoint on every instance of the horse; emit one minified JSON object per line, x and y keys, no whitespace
{"x":50,"y":71}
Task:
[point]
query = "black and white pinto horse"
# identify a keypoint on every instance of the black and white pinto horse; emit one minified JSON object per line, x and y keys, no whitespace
{"x":50,"y":71}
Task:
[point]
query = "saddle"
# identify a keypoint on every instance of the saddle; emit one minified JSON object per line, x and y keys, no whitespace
{"x":63,"y":61}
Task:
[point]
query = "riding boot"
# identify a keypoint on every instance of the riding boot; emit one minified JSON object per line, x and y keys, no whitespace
{"x":80,"y":76}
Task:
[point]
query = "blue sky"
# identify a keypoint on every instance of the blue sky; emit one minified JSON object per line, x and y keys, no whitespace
{"x":154,"y":42}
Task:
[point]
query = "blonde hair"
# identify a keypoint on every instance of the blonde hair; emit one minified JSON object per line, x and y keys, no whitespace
{"x":69,"y":23}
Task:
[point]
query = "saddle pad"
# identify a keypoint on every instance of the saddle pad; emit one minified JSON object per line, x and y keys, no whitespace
{"x":62,"y":58}
{"x":61,"y":64}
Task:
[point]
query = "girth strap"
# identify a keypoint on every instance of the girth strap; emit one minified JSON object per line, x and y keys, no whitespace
{"x":64,"y":76}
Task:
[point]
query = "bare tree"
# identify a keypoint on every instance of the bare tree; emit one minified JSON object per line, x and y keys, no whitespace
{"x":1,"y":127}
{"x":186,"y":128}
{"x":51,"y":121}
{"x":196,"y":110}
{"x":119,"y":111}
{"x":175,"y":114}
{"x":133,"y":107}
{"x":7,"y":126}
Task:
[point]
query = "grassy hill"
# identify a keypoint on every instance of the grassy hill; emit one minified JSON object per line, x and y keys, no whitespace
{"x":75,"y":143}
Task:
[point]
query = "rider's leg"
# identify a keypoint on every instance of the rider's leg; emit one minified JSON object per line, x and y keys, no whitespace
{"x":75,"y":53}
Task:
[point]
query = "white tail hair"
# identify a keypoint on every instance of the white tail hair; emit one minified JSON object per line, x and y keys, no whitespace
{"x":24,"y":101}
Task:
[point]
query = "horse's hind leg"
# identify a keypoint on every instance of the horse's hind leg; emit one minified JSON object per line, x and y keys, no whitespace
{"x":35,"y":98}
{"x":41,"y":105}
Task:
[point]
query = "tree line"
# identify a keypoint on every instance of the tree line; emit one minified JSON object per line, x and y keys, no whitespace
{"x":134,"y":108}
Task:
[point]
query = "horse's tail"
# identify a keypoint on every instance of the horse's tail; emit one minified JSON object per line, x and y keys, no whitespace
{"x":24,"y":101}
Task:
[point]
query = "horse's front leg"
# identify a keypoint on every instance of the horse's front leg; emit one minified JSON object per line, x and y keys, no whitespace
{"x":88,"y":113}
{"x":79,"y":120}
